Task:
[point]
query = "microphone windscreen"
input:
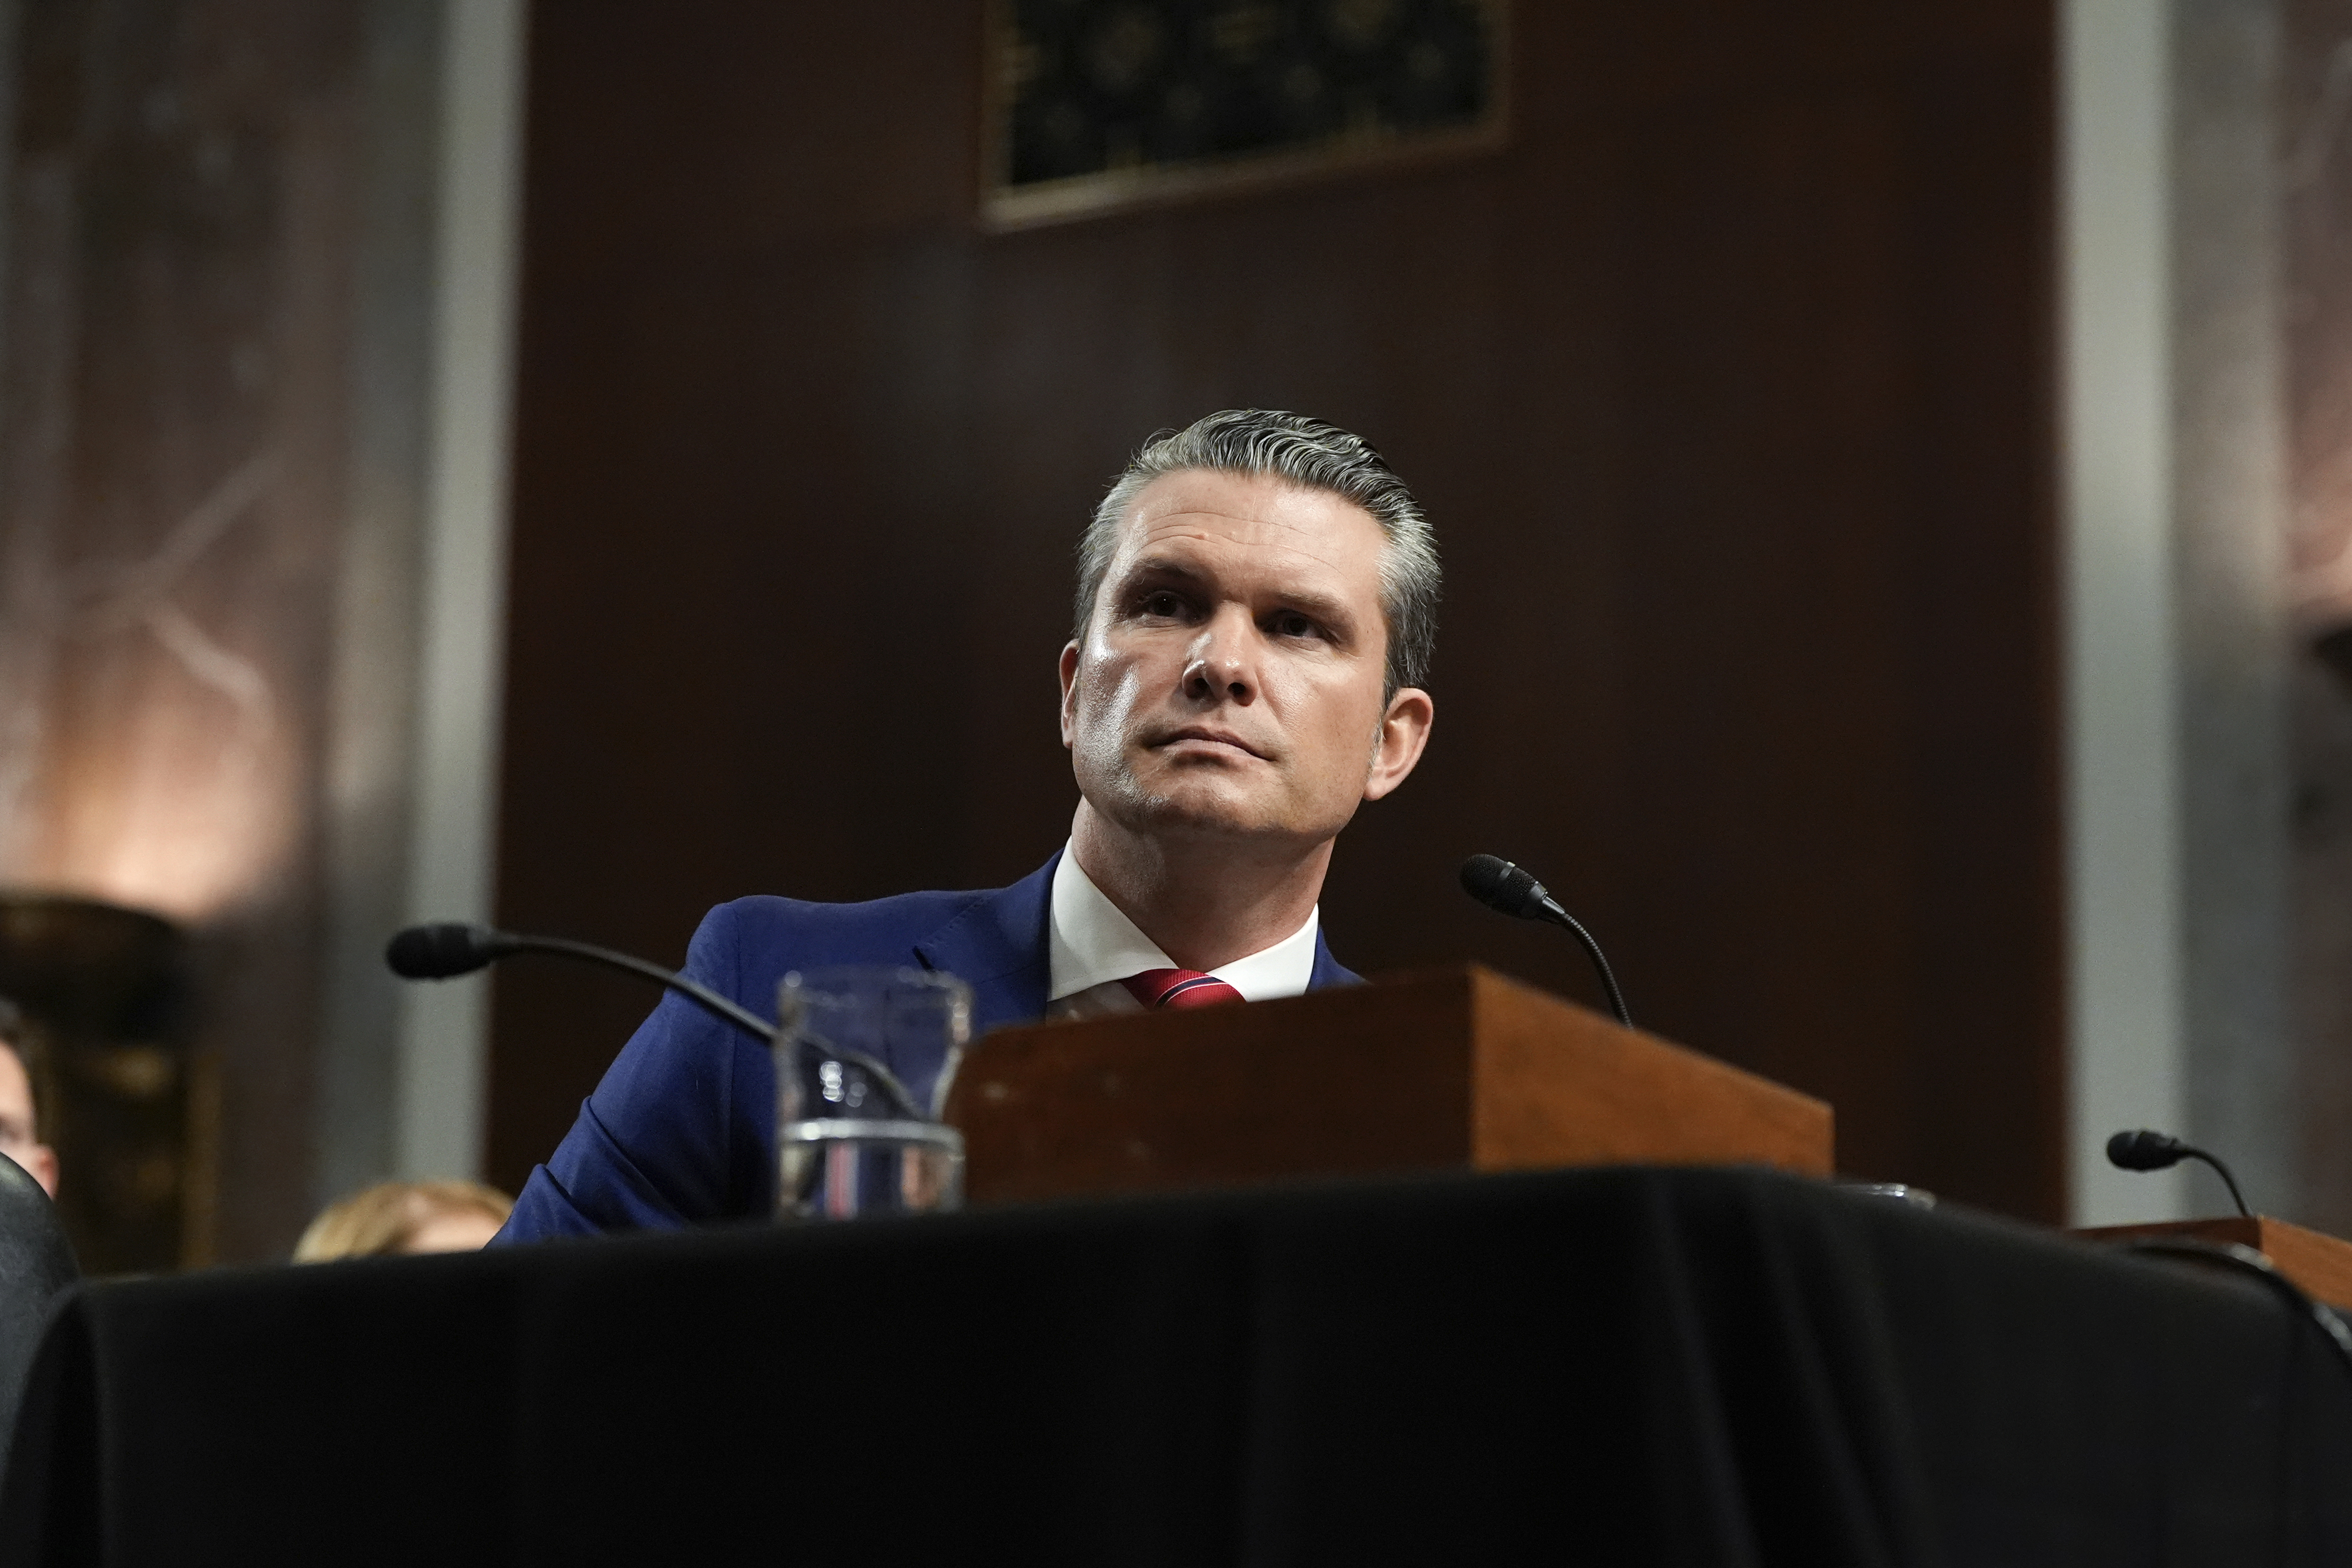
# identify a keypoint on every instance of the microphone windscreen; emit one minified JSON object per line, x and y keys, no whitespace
{"x":1502,"y":886}
{"x":441,"y":951}
{"x":2142,"y":1150}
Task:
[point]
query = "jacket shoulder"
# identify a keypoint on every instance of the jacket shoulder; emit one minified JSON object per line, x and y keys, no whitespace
{"x":915,"y":912}
{"x":881,"y":930}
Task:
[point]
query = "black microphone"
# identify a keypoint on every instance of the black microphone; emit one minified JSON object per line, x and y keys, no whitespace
{"x":448,"y":948}
{"x":1509,"y":890}
{"x":445,"y":950}
{"x":2143,"y":1150}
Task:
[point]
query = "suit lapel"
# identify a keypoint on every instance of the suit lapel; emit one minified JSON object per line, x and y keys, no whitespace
{"x":996,"y":944}
{"x":1326,"y":971}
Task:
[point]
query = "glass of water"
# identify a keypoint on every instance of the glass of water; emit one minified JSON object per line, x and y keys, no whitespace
{"x":865,"y":1055}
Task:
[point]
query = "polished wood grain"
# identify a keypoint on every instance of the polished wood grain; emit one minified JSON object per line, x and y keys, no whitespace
{"x":2320,"y":1264}
{"x":1555,"y":1083}
{"x":1453,"y":1069}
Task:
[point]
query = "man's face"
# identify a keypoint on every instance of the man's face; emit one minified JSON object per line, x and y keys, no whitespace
{"x":17,"y":1128}
{"x":1229,"y":681}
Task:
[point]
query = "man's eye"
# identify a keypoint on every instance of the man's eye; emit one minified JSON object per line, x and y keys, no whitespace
{"x":1161,"y":603}
{"x":1294,"y":625}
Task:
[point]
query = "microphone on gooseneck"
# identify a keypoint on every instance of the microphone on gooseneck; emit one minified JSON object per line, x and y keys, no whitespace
{"x":448,"y":948}
{"x":2144,"y":1150}
{"x":445,"y":950}
{"x":1510,"y":890}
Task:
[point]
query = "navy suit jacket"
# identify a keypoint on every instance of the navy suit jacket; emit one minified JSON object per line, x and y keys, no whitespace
{"x":682,"y":1126}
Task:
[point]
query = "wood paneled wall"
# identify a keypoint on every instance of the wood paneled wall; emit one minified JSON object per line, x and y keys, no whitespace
{"x":1727,"y":384}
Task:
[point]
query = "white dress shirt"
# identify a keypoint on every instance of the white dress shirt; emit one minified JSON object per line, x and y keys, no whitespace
{"x":1091,"y":947}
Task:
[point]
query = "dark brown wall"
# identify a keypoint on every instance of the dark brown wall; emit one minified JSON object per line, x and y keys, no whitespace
{"x":1726,"y":384}
{"x":2315,"y":245}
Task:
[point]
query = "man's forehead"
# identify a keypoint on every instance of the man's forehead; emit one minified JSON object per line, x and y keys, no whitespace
{"x":1252,"y":513}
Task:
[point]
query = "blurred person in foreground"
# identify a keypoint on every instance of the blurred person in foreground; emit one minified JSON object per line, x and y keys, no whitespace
{"x":20,"y":1135}
{"x":1256,"y":601}
{"x":406,"y":1218}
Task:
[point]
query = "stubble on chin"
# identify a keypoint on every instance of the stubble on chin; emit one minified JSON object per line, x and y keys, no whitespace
{"x":1149,"y":795}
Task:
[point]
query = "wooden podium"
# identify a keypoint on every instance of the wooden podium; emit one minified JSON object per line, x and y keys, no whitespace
{"x":1456,"y":1069}
{"x":2318,"y":1262}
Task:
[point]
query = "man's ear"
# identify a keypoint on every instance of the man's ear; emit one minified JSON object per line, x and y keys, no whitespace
{"x":1069,"y":694}
{"x":1404,"y":731}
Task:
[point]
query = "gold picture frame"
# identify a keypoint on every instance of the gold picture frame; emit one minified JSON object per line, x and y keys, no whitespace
{"x":1351,"y":130}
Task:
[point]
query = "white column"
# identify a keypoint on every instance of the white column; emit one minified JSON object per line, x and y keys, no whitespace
{"x":442,"y":1079}
{"x":2126,"y":1053}
{"x":2230,"y":528}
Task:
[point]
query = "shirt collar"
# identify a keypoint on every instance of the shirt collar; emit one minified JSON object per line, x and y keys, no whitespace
{"x":1089,"y":941}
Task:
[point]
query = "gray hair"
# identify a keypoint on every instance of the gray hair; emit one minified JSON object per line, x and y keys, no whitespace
{"x":1313,"y":455}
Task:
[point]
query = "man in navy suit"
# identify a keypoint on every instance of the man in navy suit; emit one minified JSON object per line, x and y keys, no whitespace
{"x":1256,"y":603}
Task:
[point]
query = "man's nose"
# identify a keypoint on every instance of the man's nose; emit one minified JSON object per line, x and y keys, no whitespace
{"x":1221,"y":666}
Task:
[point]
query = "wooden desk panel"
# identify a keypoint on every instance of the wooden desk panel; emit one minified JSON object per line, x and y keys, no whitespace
{"x":1451,"y":1069}
{"x":2318,"y":1262}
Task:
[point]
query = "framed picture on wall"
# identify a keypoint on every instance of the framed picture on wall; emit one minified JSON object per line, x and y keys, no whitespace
{"x":1098,"y":106}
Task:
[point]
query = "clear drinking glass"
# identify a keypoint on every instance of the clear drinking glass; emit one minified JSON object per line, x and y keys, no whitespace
{"x":865,"y":1055}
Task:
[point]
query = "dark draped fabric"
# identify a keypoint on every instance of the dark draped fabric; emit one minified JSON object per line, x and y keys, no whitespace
{"x":1622,"y":1366}
{"x":36,"y":1262}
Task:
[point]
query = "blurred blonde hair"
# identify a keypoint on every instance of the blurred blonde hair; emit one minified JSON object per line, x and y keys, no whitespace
{"x":381,"y":1220}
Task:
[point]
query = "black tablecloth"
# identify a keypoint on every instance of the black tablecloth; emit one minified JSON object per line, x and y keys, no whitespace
{"x":1607,"y":1366}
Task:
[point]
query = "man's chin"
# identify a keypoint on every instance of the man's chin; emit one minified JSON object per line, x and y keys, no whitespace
{"x":1200,"y":807}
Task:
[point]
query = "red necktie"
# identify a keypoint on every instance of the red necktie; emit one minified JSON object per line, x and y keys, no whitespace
{"x":1180,"y":989}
